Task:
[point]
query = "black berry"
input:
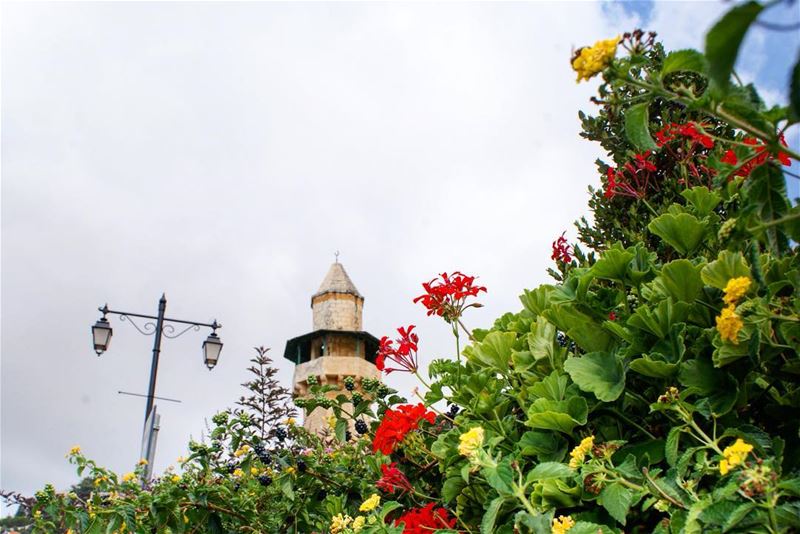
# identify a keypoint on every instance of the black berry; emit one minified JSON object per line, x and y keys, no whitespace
{"x":280,"y":434}
{"x":361,"y":427}
{"x":265,"y":480}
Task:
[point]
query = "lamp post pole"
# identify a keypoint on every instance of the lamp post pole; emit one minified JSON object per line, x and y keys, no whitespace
{"x":159,"y":327}
{"x":151,"y":390}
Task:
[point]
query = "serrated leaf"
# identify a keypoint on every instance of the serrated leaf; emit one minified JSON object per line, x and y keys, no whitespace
{"x":616,"y":499}
{"x":490,"y":517}
{"x":724,"y":39}
{"x":683,"y":60}
{"x":600,"y":373}
{"x":672,"y":444}
{"x":737,"y":515}
{"x":637,"y":127}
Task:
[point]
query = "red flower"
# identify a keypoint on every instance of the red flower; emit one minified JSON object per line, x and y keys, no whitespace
{"x":562,"y":251}
{"x":447,"y":298}
{"x":393,"y":479}
{"x":612,"y":316}
{"x":729,"y":158}
{"x":405,"y":355}
{"x":761,"y":156}
{"x":425,"y":520}
{"x":396,"y":424}
{"x":672,"y":131}
{"x":633,"y":179}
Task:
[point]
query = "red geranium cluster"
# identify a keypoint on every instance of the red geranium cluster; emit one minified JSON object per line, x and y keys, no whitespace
{"x":632,"y":179}
{"x":447,"y":297}
{"x":673,"y":131}
{"x":397,"y":423}
{"x":562,"y":251}
{"x":425,"y":520}
{"x":404,"y":355}
{"x":393,"y":479}
{"x":761,"y":156}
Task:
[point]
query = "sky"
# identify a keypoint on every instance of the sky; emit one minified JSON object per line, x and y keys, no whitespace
{"x":222,"y":152}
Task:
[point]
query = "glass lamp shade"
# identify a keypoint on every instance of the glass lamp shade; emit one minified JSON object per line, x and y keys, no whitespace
{"x":101,"y":333}
{"x":212,"y":346}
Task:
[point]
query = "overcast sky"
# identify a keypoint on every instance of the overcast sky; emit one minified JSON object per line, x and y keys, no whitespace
{"x":222,"y":153}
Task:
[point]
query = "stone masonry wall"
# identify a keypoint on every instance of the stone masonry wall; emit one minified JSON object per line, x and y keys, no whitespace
{"x":337,"y":311}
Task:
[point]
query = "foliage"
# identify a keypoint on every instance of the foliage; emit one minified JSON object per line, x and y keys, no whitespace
{"x":654,"y":387}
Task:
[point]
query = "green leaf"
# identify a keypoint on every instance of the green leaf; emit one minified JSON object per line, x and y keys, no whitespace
{"x":683,"y":232}
{"x":494,"y":350}
{"x":452,"y":487}
{"x":653,"y":368}
{"x":683,"y":60}
{"x":546,"y":446}
{"x":617,"y":499}
{"x":727,"y":265}
{"x":547,"y":470}
{"x":766,"y":190}
{"x":613,"y":264}
{"x":672,"y":444}
{"x":585,"y":527}
{"x":702,"y":199}
{"x":600,"y":373}
{"x":794,"y":92}
{"x":500,"y":477}
{"x":724,"y":39}
{"x":562,"y":416}
{"x":737,"y":515}
{"x":490,"y":517}
{"x":637,"y":127}
{"x":701,"y":378}
{"x":341,"y":430}
{"x":680,"y":279}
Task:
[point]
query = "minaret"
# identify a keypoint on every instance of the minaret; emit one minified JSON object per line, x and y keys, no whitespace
{"x":337,"y":347}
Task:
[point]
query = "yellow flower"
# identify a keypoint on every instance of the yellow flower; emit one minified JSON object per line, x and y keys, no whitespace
{"x":254,"y":471}
{"x":100,"y":480}
{"x":74,"y":450}
{"x":734,"y":455}
{"x":579,"y":453}
{"x":340,"y":522}
{"x":735,"y":289}
{"x":185,"y":519}
{"x":370,"y":504}
{"x":242,"y":450}
{"x":127,"y":477}
{"x":238,"y":472}
{"x":729,"y":324}
{"x":591,"y":60}
{"x":358,"y":523}
{"x":176,"y":478}
{"x":180,"y":459}
{"x":562,"y":524}
{"x":290,"y":469}
{"x":470,"y":442}
{"x":290,"y":421}
{"x":142,"y":462}
{"x":332,"y":421}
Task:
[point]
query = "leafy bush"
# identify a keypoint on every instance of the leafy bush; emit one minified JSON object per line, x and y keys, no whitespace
{"x":654,"y":387}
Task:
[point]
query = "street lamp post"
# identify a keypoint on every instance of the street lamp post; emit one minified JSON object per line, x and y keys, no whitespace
{"x":162,"y":327}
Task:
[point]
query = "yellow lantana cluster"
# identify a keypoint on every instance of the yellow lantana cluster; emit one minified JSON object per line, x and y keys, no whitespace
{"x":242,"y":451}
{"x":127,"y":477}
{"x":370,"y":504}
{"x":734,"y":455}
{"x":591,"y":60}
{"x":340,"y":522}
{"x":578,"y":454}
{"x":735,"y":289}
{"x":470,"y":442}
{"x":728,"y":321}
{"x":74,"y":450}
{"x":562,"y":524}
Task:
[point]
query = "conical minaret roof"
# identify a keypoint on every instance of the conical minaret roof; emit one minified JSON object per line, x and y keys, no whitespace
{"x":337,"y":281}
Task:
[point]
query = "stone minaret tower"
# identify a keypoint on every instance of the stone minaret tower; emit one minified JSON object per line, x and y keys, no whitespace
{"x":337,"y":347}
